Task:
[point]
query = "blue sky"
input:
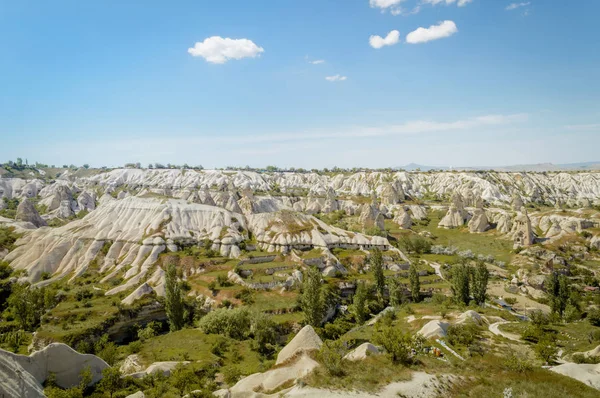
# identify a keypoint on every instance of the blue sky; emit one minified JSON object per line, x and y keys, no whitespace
{"x":109,"y":82}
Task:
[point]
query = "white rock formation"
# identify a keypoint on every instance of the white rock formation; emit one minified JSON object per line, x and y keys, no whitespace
{"x":59,"y":359}
{"x":26,"y":212}
{"x":362,"y":352}
{"x":305,"y":341}
{"x":403,"y":219}
{"x":479,"y":221}
{"x":522,"y":232}
{"x":434,"y":329}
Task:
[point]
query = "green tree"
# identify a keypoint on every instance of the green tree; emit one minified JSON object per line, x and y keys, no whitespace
{"x":174,"y":305}
{"x":481,"y":276}
{"x":397,"y":343}
{"x":111,"y":380}
{"x":29,"y":304}
{"x":359,"y":302}
{"x":415,"y":283}
{"x":332,"y":357}
{"x":559,"y":291}
{"x":264,"y":332}
{"x":546,"y":349}
{"x":395,"y":289}
{"x":460,"y":283}
{"x":311,"y":301}
{"x":377,"y":267}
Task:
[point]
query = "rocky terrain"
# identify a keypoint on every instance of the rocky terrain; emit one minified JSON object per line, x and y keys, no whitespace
{"x":104,"y":241}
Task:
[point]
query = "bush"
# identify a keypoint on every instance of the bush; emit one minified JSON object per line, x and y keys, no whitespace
{"x":580,"y":358}
{"x":546,"y":349}
{"x":332,"y":357}
{"x":593,"y":317}
{"x":397,"y":344}
{"x":231,"y":375}
{"x":234,"y":323}
{"x":135,"y":347}
{"x":463,"y":334}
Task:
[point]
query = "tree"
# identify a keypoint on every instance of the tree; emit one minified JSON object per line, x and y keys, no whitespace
{"x":396,"y":292}
{"x":359,"y":302}
{"x":481,"y":276}
{"x":558,"y":290}
{"x":111,"y":380}
{"x":29,"y":304}
{"x":460,"y":283}
{"x":264,"y":332}
{"x":546,"y":349}
{"x":377,"y":266}
{"x":332,"y":356}
{"x":173,"y":299}
{"x":397,"y":344}
{"x":415,"y":283}
{"x":311,"y":301}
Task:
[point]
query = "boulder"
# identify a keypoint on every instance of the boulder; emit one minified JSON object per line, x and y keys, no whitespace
{"x":306,"y":340}
{"x":164,"y":368}
{"x":434,"y":329}
{"x":131,"y":364}
{"x":26,"y":212}
{"x":362,"y":352}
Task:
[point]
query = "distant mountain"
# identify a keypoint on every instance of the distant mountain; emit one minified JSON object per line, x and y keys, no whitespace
{"x":583,"y":166}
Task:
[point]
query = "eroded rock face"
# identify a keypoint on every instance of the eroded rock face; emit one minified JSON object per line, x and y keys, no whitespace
{"x":479,"y":221}
{"x":403,"y":219}
{"x":521,"y":232}
{"x":456,"y":215}
{"x":59,"y":359}
{"x":370,"y":217}
{"x":305,"y":341}
{"x":26,"y":212}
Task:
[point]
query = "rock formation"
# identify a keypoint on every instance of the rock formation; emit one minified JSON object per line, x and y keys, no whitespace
{"x":522,"y":232}
{"x":58,"y":359}
{"x":370,"y":217}
{"x":26,"y":212}
{"x":456,"y":215}
{"x":306,"y":340}
{"x":403,"y":219}
{"x":362,"y":352}
{"x":479,"y":221}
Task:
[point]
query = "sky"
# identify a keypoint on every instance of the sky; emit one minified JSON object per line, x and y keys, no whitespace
{"x":300,"y":83}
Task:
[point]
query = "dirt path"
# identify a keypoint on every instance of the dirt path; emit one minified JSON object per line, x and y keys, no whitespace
{"x":495,"y":329}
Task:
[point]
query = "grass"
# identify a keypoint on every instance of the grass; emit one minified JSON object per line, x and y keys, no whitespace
{"x":368,"y":375}
{"x":487,"y":243}
{"x":194,"y":345}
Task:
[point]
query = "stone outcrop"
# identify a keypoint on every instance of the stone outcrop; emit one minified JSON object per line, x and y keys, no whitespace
{"x":479,"y":221}
{"x":58,"y":359}
{"x":305,"y":341}
{"x":362,"y":352}
{"x":370,"y":217}
{"x":434,"y":329}
{"x":456,"y":215}
{"x":26,"y":212}
{"x":522,"y":232}
{"x":402,"y":218}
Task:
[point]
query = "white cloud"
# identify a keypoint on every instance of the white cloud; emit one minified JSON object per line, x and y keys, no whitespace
{"x":583,"y":127}
{"x":317,"y":61}
{"x":514,"y":6}
{"x":392,"y":5}
{"x":460,"y":3}
{"x":336,"y":78}
{"x":218,"y":50}
{"x":377,"y":41}
{"x":434,"y":32}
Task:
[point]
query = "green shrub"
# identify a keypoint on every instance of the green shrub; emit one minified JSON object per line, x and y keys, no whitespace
{"x":331,"y":356}
{"x":463,"y":334}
